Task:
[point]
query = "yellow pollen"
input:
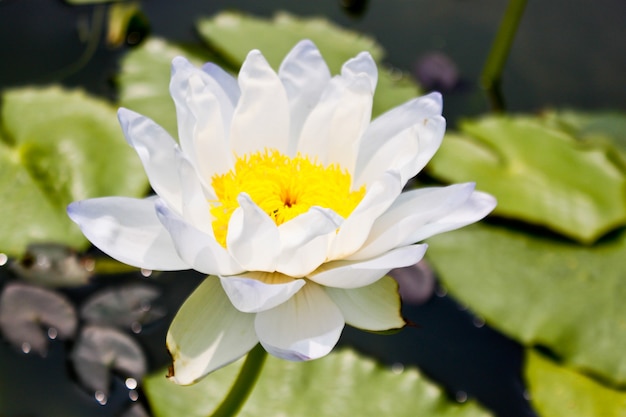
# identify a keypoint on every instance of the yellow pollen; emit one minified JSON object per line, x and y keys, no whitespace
{"x":283,"y":187}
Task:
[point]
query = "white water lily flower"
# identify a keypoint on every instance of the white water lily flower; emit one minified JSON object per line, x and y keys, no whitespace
{"x":288,"y":197}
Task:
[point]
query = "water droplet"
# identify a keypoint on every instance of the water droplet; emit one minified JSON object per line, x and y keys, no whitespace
{"x":136,"y":327}
{"x":100,"y":397}
{"x":441,"y":292}
{"x":3,"y":259}
{"x":26,"y":347}
{"x":133,"y":395}
{"x":462,"y":307}
{"x":461,"y":396}
{"x":131,"y":383}
{"x":478,"y":322}
{"x":526,"y":395}
{"x":89,"y":264}
{"x":397,"y":368}
{"x":53,"y":333}
{"x":146,"y":272}
{"x":145,"y":306}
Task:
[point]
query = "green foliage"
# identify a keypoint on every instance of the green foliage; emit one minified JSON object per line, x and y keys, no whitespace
{"x":564,"y":296}
{"x":342,"y":384}
{"x":56,"y":147}
{"x":232,"y":35}
{"x":539,"y":173}
{"x":558,"y":391}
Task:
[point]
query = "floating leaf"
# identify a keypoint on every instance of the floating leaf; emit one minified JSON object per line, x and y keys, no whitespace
{"x":57,"y":146}
{"x":145,"y":77}
{"x":538,"y":173}
{"x":100,"y":350}
{"x":24,"y":312}
{"x":127,"y":306}
{"x":341,"y":384}
{"x":606,"y":129}
{"x":558,"y":391}
{"x":564,"y":296}
{"x":232,"y":35}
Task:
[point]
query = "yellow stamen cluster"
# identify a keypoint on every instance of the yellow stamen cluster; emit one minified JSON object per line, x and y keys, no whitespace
{"x":283,"y":187}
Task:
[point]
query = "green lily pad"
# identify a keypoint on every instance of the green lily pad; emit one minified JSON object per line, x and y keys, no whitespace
{"x":606,"y":129}
{"x":557,"y":294}
{"x":145,"y":77}
{"x":342,"y":384}
{"x":558,"y":391}
{"x":538,"y":173}
{"x":58,"y":146}
{"x":232,"y":35}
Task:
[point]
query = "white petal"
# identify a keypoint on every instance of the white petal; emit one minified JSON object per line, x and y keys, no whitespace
{"x":305,"y":327}
{"x":198,"y":249}
{"x":254,"y":291}
{"x":208,"y":333}
{"x":261,"y":118}
{"x":208,"y":128}
{"x":195,"y":208}
{"x":355,"y":229}
{"x":355,"y":274}
{"x":128,"y":230}
{"x":375,"y":307}
{"x":363,"y":63}
{"x":475,"y":208}
{"x":304,"y":241}
{"x":157,"y":151}
{"x":403,"y":223}
{"x":423,"y":114}
{"x":253,"y":238}
{"x":304,"y":74}
{"x":227,"y":83}
{"x":334,"y":128}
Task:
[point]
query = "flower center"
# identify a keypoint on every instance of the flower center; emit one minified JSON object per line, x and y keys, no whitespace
{"x":283,"y":187}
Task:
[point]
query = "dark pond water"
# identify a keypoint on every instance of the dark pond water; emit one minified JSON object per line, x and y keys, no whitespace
{"x":566,"y":54}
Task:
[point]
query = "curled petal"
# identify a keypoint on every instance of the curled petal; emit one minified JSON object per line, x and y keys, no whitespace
{"x":355,"y":274}
{"x":254,"y":291}
{"x":253,"y":238}
{"x":304,"y":74}
{"x":305,"y":327}
{"x":375,"y":307}
{"x":207,"y":334}
{"x":304,"y":241}
{"x":157,"y":151}
{"x":128,"y":230}
{"x":421,"y":213}
{"x":198,"y":249}
{"x":207,"y":127}
{"x":423,"y":116}
{"x":261,"y":118}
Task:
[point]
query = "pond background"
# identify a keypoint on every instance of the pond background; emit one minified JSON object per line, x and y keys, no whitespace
{"x":566,"y":54}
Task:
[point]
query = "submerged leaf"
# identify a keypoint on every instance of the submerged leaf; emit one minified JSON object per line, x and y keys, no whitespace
{"x":538,"y":173}
{"x":58,"y":146}
{"x":52,"y":265}
{"x":559,"y":391}
{"x":26,"y":310}
{"x":126,"y":307}
{"x":564,"y":296}
{"x":341,"y":384}
{"x":100,"y":350}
